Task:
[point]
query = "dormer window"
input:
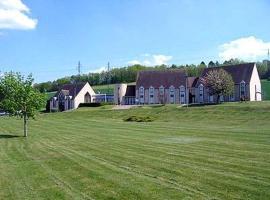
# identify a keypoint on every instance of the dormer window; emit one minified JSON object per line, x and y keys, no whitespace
{"x":182,"y":94}
{"x":141,"y":94}
{"x":172,"y":94}
{"x":242,"y":89}
{"x":161,"y":90}
{"x":201,"y":91}
{"x":151,"y":95}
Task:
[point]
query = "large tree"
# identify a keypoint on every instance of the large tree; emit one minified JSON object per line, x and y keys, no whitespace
{"x":219,"y":83}
{"x":19,"y":98}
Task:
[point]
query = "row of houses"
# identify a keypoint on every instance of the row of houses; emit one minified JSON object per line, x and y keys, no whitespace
{"x":164,"y":87}
{"x":175,"y":87}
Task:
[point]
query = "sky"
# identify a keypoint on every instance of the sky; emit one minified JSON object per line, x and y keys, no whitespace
{"x":48,"y":37}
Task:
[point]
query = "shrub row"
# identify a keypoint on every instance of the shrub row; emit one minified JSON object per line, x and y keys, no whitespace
{"x":139,"y":119}
{"x":96,"y":104}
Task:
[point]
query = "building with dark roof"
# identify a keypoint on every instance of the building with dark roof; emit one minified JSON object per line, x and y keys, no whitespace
{"x":175,"y":87}
{"x":71,"y":95}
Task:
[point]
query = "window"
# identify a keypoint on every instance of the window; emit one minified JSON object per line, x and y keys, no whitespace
{"x":242,"y":89}
{"x":231,"y":97}
{"x":201,"y":93}
{"x":172,"y":95}
{"x":141,"y":94}
{"x":161,"y":91}
{"x":161,"y":95}
{"x":221,"y":98}
{"x":211,"y":98}
{"x":182,"y":94}
{"x":151,"y":95}
{"x":54,"y":102}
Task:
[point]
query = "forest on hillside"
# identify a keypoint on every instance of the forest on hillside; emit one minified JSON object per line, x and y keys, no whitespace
{"x":128,"y":74}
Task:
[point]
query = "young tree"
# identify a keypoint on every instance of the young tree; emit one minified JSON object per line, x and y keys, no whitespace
{"x":19,"y":98}
{"x":219,"y":83}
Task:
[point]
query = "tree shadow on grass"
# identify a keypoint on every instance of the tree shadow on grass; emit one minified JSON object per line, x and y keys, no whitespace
{"x":8,"y":136}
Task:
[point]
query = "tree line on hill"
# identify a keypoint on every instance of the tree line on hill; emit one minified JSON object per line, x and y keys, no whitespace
{"x":128,"y":74}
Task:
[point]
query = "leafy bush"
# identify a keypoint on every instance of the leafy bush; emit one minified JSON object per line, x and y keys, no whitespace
{"x":139,"y":119}
{"x":96,"y":104}
{"x":90,"y":105}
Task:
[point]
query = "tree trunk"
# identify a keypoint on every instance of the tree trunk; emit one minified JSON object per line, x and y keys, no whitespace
{"x":25,"y":125}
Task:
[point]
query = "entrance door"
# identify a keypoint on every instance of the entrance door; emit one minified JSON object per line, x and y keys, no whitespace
{"x":87,"y":98}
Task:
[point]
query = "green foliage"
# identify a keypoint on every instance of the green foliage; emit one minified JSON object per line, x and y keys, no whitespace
{"x":233,"y":61}
{"x":129,"y":74}
{"x":95,"y":104}
{"x":219,"y":82}
{"x":139,"y":119}
{"x":104,"y":89}
{"x":18,"y":97}
{"x":266,"y":89}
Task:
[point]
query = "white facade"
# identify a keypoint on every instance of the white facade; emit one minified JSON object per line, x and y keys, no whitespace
{"x":119,"y":93}
{"x":64,"y":101}
{"x":80,"y":96}
{"x":255,"y":86}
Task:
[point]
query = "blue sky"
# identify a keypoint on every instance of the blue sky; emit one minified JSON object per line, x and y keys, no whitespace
{"x":48,"y":38}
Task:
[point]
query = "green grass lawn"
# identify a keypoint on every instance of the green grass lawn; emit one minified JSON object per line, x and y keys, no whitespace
{"x":266,"y":89}
{"x":211,"y":152}
{"x":103,"y":89}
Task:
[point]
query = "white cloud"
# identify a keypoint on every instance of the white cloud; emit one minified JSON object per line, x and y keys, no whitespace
{"x":98,"y":70}
{"x":134,"y":62}
{"x":15,"y":15}
{"x":152,"y":60}
{"x":161,"y":59}
{"x":249,"y":48}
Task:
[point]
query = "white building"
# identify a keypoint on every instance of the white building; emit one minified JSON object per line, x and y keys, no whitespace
{"x":71,"y":95}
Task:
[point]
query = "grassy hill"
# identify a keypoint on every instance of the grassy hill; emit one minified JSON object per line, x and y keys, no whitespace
{"x":103,"y":89}
{"x":266,"y":89}
{"x":211,"y":152}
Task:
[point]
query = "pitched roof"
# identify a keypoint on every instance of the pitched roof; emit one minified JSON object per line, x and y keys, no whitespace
{"x":192,"y":81}
{"x":71,"y":89}
{"x":165,"y":78}
{"x":240,"y":72}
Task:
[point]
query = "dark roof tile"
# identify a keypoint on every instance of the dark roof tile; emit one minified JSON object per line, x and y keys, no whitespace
{"x":241,"y":72}
{"x":165,"y":78}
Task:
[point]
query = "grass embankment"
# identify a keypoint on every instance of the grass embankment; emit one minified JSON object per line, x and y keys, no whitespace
{"x":266,"y":89}
{"x":212,"y":152}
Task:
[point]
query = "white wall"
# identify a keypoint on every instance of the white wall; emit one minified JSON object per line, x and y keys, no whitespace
{"x":119,"y":92}
{"x":80,"y":96}
{"x":255,"y":82}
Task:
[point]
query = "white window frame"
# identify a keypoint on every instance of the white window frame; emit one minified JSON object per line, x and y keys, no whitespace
{"x":242,"y":84}
{"x":151,"y":95}
{"x":201,"y":93}
{"x":161,"y":88}
{"x":211,"y":98}
{"x":221,"y":98}
{"x":182,"y":94}
{"x":141,"y":95}
{"x":172,"y":93}
{"x":232,"y":98}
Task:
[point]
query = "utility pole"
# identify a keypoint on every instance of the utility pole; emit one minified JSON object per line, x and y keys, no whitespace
{"x":79,"y":68}
{"x":187,"y":90}
{"x":268,"y":53}
{"x":108,"y":79}
{"x":78,"y":78}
